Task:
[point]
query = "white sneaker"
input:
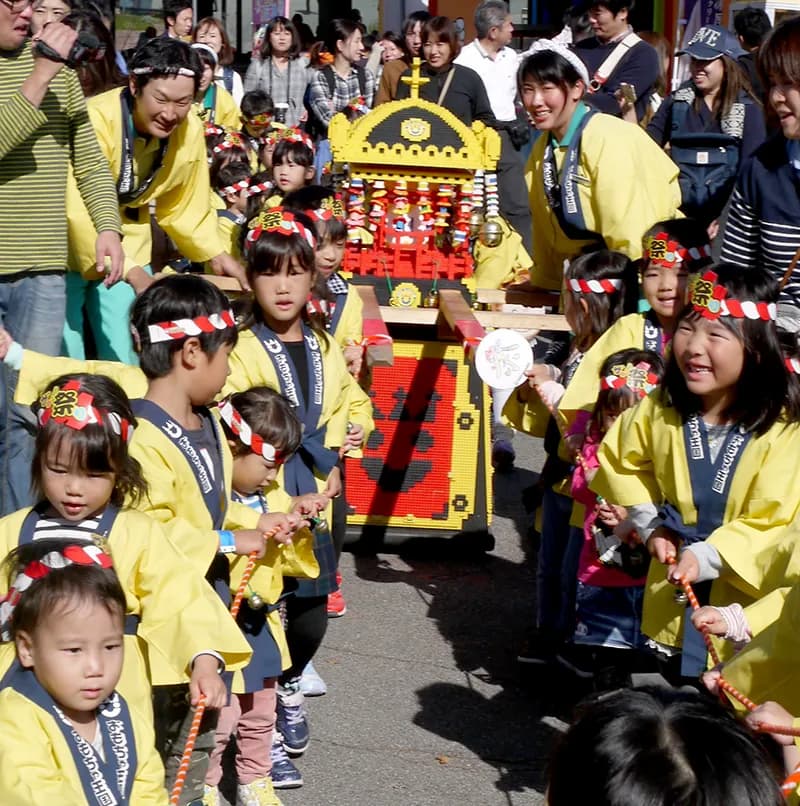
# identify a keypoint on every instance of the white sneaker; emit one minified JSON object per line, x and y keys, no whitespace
{"x":311,"y":684}
{"x":257,"y":793}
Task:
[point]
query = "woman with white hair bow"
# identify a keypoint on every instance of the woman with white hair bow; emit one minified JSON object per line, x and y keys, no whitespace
{"x":594,"y":180}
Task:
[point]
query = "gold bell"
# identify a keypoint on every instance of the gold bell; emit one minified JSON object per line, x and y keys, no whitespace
{"x":491,"y":233}
{"x":475,"y":223}
{"x":680,"y":597}
{"x":255,"y":601}
{"x":431,"y":299}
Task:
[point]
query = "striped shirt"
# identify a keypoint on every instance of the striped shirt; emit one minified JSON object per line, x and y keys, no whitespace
{"x":763,"y":226}
{"x":36,"y":149}
{"x":57,"y":528}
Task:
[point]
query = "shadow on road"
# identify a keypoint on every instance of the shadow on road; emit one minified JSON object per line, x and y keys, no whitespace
{"x":483,"y":604}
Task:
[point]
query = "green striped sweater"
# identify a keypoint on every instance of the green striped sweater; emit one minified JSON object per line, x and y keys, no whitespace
{"x":36,"y":146}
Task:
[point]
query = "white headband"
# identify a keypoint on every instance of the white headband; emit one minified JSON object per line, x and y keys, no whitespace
{"x":562,"y":50}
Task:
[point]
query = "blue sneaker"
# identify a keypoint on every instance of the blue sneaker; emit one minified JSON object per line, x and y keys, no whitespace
{"x":291,"y":720}
{"x":284,"y":774}
{"x":311,"y":684}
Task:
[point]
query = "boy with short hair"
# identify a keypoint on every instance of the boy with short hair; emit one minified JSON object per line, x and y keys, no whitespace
{"x":233,"y":185}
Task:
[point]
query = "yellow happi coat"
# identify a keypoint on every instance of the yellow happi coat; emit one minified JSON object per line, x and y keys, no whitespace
{"x":643,"y":460}
{"x":37,"y":767}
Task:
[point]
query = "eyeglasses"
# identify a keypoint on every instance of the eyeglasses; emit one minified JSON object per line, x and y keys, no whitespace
{"x":17,"y":6}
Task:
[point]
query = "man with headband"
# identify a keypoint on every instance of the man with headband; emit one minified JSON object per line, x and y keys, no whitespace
{"x":156,"y":152}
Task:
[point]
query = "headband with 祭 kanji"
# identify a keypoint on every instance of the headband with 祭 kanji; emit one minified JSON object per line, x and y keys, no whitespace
{"x":640,"y":378}
{"x":38,"y":569}
{"x":329,"y":208}
{"x":73,"y":406}
{"x":281,"y":221}
{"x":709,"y":299}
{"x":664,"y":251}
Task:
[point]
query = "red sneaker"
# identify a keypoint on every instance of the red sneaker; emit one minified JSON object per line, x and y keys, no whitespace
{"x":337,"y":606}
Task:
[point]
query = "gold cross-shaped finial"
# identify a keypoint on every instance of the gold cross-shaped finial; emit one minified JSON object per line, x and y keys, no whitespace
{"x":415,"y":80}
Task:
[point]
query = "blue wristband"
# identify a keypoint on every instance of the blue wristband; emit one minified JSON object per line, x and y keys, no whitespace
{"x":227,"y":542}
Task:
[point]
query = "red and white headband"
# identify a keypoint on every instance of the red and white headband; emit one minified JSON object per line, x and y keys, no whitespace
{"x":238,"y":426}
{"x":38,"y":569}
{"x":231,"y":140}
{"x":662,"y":251}
{"x":793,"y":365}
{"x":595,"y":286}
{"x":259,"y":187}
{"x":708,"y":298}
{"x":236,"y":187}
{"x":72,"y":406}
{"x":639,"y":378}
{"x":182,"y":328}
{"x":281,"y":221}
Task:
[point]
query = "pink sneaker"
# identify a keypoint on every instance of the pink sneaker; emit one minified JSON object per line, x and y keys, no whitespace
{"x":337,"y":606}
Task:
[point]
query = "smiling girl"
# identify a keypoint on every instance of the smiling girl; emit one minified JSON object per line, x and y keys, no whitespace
{"x":706,"y":468}
{"x":593,"y":179}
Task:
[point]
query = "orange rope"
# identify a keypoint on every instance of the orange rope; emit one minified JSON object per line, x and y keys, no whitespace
{"x":186,"y":758}
{"x":180,"y":778}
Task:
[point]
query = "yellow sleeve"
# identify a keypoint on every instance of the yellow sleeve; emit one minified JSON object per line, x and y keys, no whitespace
{"x":38,"y":370}
{"x":626,"y":474}
{"x":529,"y":416}
{"x":184,"y":211}
{"x":163,"y":503}
{"x":350,"y":329}
{"x":181,"y":615}
{"x":496,"y":266}
{"x":240,"y":516}
{"x":766,"y":669}
{"x":770,"y":507}
{"x":634,"y":184}
{"x":227,"y":113}
{"x":581,"y":393}
{"x":357,"y":407}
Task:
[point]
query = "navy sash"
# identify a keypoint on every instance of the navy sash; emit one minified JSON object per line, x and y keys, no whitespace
{"x":710,"y":482}
{"x":104,"y":783}
{"x":299,"y":469}
{"x":337,"y":308}
{"x":653,"y":334}
{"x":127,"y":189}
{"x":562,"y":194}
{"x":28,"y":528}
{"x":211,"y":484}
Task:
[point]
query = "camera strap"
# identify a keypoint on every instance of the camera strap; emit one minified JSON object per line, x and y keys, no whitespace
{"x":127,"y":190}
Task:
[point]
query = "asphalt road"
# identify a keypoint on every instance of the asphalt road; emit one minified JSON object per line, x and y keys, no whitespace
{"x":427,"y":705}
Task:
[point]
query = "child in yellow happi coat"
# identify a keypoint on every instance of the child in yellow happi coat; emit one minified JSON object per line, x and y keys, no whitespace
{"x":67,"y":736}
{"x":705,"y":467}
